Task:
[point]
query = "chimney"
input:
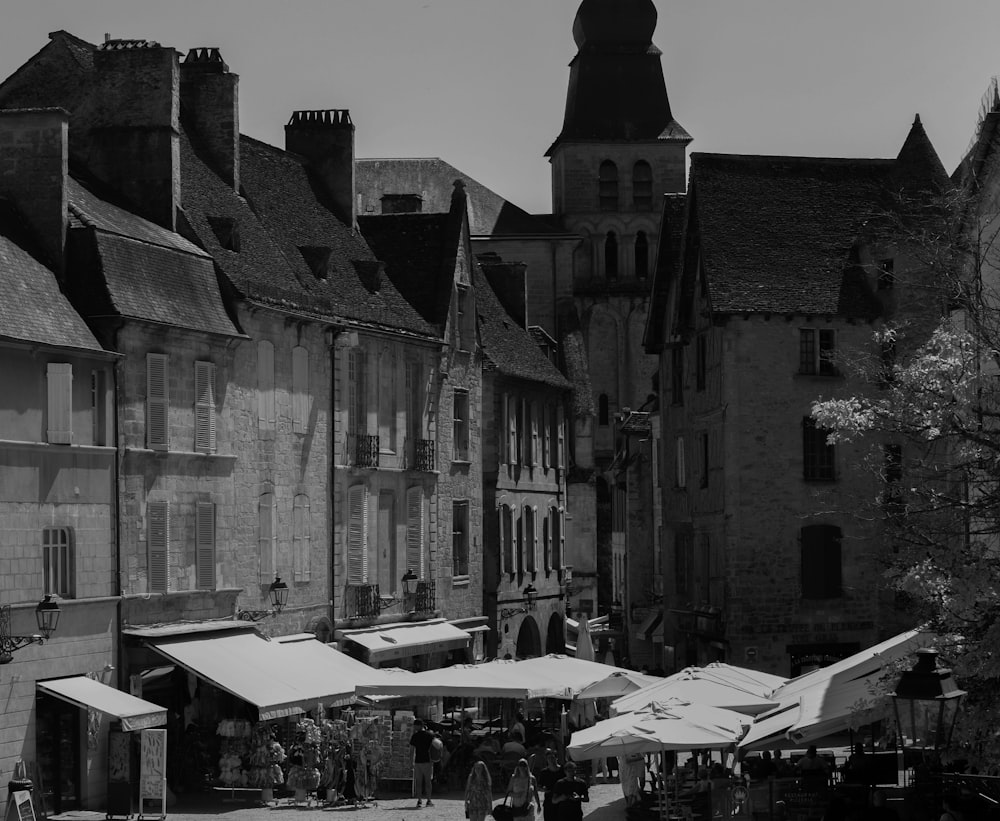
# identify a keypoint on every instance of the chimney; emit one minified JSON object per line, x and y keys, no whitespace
{"x":210,"y":110}
{"x":34,"y":161}
{"x":133,"y":131}
{"x":326,"y":140}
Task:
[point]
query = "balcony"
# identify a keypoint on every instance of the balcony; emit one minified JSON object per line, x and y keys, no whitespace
{"x":424,"y":455}
{"x":424,"y":600}
{"x":362,"y":450}
{"x":363,"y":601}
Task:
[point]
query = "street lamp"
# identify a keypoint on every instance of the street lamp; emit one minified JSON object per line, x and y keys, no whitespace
{"x":277,"y":593}
{"x":408,"y":576}
{"x":926,"y":703}
{"x":46,"y":615}
{"x":530,"y":596}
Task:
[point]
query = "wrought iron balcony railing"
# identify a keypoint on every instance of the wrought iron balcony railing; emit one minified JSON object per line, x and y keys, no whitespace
{"x":424,"y":455}
{"x":424,"y":599}
{"x":366,"y":603}
{"x":362,"y":450}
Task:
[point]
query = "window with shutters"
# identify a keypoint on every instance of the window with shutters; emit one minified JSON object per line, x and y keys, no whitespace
{"x":301,"y":540}
{"x":524,"y":424}
{"x":205,"y":545}
{"x":680,"y":467}
{"x":357,"y":391}
{"x":267,"y":538}
{"x":157,"y":401}
{"x":158,"y":545}
{"x":560,"y":437}
{"x":60,"y":405}
{"x":547,"y":425}
{"x":558,"y":519}
{"x":301,"y":405}
{"x":265,"y":385}
{"x":460,"y":422}
{"x":460,"y":539}
{"x":415,"y":401}
{"x":547,"y":541}
{"x":519,"y":544}
{"x":58,"y":562}
{"x":416,"y":531}
{"x":387,"y":400}
{"x":821,"y":562}
{"x":357,"y":535}
{"x":506,"y":522}
{"x":536,"y":447}
{"x":204,"y":407}
{"x":100,"y":419}
{"x":530,"y":541}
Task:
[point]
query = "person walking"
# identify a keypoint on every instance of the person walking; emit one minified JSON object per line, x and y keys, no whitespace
{"x":547,"y":778}
{"x":423,"y":767}
{"x":523,"y":789}
{"x":478,"y":793}
{"x":570,"y":793}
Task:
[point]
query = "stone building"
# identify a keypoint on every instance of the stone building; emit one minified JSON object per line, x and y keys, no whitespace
{"x":767,"y":284}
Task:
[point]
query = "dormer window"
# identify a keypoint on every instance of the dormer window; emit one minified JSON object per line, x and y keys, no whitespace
{"x":227,"y":232}
{"x":317,"y":257}
{"x":608,"y":186}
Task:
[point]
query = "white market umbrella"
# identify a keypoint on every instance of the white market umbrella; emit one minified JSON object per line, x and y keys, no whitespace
{"x":618,"y":684}
{"x":584,"y":643}
{"x":700,"y":685}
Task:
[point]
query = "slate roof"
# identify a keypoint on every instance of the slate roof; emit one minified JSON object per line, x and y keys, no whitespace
{"x":776,"y":232}
{"x":147,"y":272}
{"x":33,"y":308}
{"x":35,"y":85}
{"x":433,"y":180}
{"x":507,"y":346}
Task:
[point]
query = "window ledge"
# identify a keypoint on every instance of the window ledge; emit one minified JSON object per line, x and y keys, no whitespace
{"x":18,"y":443}
{"x":197,"y":454}
{"x":461,"y":461}
{"x":461,"y":581}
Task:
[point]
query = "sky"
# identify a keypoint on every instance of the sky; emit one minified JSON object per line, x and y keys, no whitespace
{"x":482,"y":83}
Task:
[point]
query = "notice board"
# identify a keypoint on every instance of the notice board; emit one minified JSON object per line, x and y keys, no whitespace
{"x":19,"y":806}
{"x":153,"y":770}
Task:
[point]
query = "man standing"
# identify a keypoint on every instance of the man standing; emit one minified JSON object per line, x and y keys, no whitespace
{"x":423,"y":767}
{"x":570,"y":793}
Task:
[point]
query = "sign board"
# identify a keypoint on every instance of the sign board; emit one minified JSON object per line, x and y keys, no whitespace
{"x":153,"y":769}
{"x":19,"y":806}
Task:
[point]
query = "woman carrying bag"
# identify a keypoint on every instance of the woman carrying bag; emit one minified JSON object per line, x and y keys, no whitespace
{"x":522,"y":790}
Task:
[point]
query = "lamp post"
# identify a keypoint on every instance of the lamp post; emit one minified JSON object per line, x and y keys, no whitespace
{"x":530,"y":597}
{"x":278,"y":596}
{"x":46,"y":615}
{"x":926,"y":703}
{"x":408,"y":576}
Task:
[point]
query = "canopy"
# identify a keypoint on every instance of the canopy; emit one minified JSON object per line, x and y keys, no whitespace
{"x":390,"y":642}
{"x":134,"y":713}
{"x":552,"y":676}
{"x":672,"y":725}
{"x":833,"y":699}
{"x":716,"y":685}
{"x":618,"y":684}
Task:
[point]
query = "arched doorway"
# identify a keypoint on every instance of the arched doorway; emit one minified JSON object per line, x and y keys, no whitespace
{"x":529,"y":640}
{"x":555,"y":636}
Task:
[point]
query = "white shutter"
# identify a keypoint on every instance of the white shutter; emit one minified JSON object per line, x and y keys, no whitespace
{"x":357,"y":535}
{"x":267,"y":518}
{"x":204,"y":407}
{"x":415,"y":531}
{"x":157,"y":401}
{"x":60,"y":388}
{"x":157,"y":545}
{"x":301,"y":542}
{"x":205,"y":546}
{"x":300,"y":389}
{"x":265,"y":384}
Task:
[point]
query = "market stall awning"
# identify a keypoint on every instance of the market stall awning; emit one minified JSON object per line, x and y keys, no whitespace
{"x":252,"y":668}
{"x":389,"y":642}
{"x":702,"y":685}
{"x":134,"y":713}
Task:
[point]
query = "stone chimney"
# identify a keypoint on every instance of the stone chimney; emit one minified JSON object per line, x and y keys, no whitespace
{"x":132,"y":140}
{"x":326,"y":140}
{"x":210,"y":110}
{"x":34,"y":160}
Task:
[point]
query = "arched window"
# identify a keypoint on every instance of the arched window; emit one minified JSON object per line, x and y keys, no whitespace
{"x":611,"y":256}
{"x":602,"y":410}
{"x":608,"y":186}
{"x":642,"y":186}
{"x":641,"y":255}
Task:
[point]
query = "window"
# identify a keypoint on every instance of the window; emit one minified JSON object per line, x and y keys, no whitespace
{"x":641,"y":255}
{"x":524,"y":424}
{"x":357,"y":391}
{"x":559,"y":421}
{"x":461,"y":426}
{"x":530,"y":541}
{"x":608,"y":186}
{"x":301,"y":539}
{"x":506,"y":526}
{"x":677,"y":375}
{"x":317,"y":257}
{"x":611,"y":256}
{"x":415,"y":531}
{"x":57,"y":562}
{"x":227,"y":232}
{"x":462,"y":301}
{"x":703,"y":453}
{"x":205,"y":545}
{"x":683,"y":563}
{"x":267,"y":536}
{"x":99,"y":417}
{"x":204,"y":407}
{"x":680,"y":476}
{"x":265,"y":385}
{"x":60,"y":406}
{"x":642,"y":186}
{"x":700,"y":361}
{"x":157,"y":545}
{"x":603,"y":410}
{"x":300,"y":389}
{"x":519,"y":545}
{"x":535,"y":453}
{"x":886,"y":274}
{"x":387,"y":400}
{"x":818,"y":456}
{"x":821,"y":562}
{"x":157,"y":401}
{"x":357,"y":535}
{"x":509,"y":421}
{"x":460,"y":539}
{"x":415,"y":400}
{"x":816,"y":351}
{"x":558,"y":531}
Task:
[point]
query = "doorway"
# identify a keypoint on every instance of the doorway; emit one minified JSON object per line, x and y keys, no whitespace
{"x":57,"y":740}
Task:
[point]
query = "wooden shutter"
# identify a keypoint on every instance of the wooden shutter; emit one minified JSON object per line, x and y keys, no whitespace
{"x":267,"y":519}
{"x":301,"y":542}
{"x":546,"y":436}
{"x":300,"y":389}
{"x":519,"y":544}
{"x":205,"y":546}
{"x":158,"y":545}
{"x":204,"y":407}
{"x":531,"y":539}
{"x":357,"y":399}
{"x":265,"y":384}
{"x":415,"y":531}
{"x":60,"y":388}
{"x":525,"y":432}
{"x":559,"y":539}
{"x":357,"y":535}
{"x":535,"y":445}
{"x":157,"y":401}
{"x":547,"y":540}
{"x":513,"y":448}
